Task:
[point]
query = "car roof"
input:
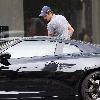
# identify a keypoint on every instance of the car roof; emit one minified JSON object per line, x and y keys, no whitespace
{"x":86,"y":47}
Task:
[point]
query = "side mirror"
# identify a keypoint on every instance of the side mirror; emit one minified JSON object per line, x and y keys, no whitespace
{"x":5,"y":56}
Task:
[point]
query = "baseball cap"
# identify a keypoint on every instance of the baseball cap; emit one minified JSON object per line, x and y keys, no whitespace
{"x":44,"y":10}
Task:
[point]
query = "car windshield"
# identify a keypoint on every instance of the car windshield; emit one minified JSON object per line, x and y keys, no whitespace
{"x":5,"y":43}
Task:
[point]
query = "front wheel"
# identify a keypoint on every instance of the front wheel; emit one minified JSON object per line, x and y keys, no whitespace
{"x":90,"y":88}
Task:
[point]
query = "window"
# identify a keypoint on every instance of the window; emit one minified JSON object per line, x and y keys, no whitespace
{"x":32,"y":48}
{"x":69,"y":49}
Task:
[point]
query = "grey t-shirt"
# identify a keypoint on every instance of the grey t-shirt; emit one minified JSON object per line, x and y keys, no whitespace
{"x":58,"y":26}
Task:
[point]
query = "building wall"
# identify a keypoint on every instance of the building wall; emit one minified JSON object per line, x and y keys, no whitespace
{"x":11,"y":14}
{"x":96,"y":20}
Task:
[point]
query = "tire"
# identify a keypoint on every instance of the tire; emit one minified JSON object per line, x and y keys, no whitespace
{"x":90,"y":88}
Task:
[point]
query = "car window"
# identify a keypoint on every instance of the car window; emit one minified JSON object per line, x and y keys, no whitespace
{"x":32,"y":48}
{"x":69,"y":49}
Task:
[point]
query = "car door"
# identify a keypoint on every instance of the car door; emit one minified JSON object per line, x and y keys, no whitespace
{"x":67,"y":56}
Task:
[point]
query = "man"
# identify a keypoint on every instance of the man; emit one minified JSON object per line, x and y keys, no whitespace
{"x":58,"y":26}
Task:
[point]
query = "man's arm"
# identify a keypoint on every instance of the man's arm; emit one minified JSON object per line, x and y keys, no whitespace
{"x":70,"y":30}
